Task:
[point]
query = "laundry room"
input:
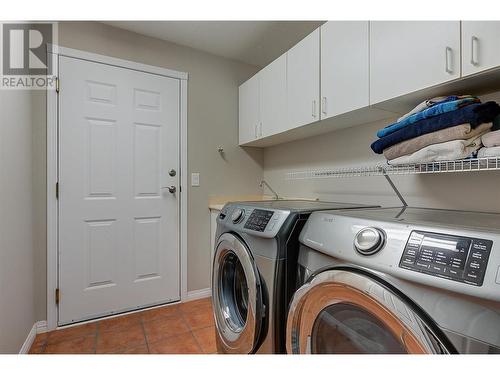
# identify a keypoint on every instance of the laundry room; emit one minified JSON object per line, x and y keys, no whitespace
{"x":187,"y":181}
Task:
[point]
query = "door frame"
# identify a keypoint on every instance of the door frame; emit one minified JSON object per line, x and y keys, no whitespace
{"x":52,"y":106}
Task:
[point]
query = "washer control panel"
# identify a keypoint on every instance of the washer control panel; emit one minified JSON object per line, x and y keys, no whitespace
{"x":258,"y":220}
{"x":253,"y":220}
{"x":462,"y":259}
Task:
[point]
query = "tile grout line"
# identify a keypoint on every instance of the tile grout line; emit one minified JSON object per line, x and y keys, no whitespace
{"x":144,"y":332}
{"x":191,"y":331}
{"x":96,"y":337}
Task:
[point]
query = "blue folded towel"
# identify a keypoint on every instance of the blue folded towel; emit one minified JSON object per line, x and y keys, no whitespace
{"x":435,"y":110}
{"x":474,"y":114}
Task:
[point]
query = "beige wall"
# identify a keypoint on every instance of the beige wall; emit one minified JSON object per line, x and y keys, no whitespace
{"x":212,"y":121}
{"x":351,"y":147}
{"x":17,"y":256}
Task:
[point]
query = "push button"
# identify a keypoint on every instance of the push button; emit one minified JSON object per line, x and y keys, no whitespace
{"x":436,"y":268}
{"x":422,"y":265}
{"x":408,"y":260}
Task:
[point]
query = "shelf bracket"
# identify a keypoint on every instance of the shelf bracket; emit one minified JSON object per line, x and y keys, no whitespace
{"x":394,"y":188}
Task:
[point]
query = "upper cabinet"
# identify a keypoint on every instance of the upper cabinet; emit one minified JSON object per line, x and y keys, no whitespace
{"x":406,"y":56}
{"x":249,"y":112}
{"x":272,"y":96}
{"x":303,"y":81}
{"x":344,"y":67}
{"x":355,"y":72}
{"x":480,"y":46}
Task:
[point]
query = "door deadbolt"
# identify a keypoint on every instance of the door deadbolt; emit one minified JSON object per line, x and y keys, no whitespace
{"x":172,"y":173}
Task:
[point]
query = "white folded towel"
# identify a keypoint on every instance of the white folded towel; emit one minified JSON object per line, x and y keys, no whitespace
{"x":422,"y":106}
{"x":452,"y":150}
{"x":489,"y":152}
{"x":491,"y":139}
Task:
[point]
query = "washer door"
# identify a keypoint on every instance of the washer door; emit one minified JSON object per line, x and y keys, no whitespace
{"x":236,"y":296}
{"x":345,"y":310}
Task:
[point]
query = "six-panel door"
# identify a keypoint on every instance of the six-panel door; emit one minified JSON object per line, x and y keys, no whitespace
{"x":118,"y":226}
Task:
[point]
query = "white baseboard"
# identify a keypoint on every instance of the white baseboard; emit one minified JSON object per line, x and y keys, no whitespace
{"x":198,"y":294}
{"x":29,"y":341}
{"x":41,"y":326}
{"x":38,"y":327}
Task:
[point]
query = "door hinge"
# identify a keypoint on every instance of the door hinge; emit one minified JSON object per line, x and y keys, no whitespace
{"x":57,"y":190}
{"x":57,"y":85}
{"x":57,"y":296}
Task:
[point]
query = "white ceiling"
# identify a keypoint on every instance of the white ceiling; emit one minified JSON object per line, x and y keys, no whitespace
{"x":253,"y":42}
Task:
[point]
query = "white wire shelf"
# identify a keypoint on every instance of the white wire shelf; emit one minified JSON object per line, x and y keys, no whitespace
{"x":465,"y":165}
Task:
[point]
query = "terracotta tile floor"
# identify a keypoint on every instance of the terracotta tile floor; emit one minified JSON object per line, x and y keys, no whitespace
{"x":186,"y":328}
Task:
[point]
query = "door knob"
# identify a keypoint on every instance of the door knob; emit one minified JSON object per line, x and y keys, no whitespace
{"x":172,"y":189}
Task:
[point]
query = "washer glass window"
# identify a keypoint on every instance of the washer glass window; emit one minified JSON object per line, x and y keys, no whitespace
{"x":345,"y":328}
{"x":234,"y":291}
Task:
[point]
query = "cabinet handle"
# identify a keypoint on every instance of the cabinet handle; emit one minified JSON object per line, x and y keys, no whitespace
{"x":260,"y":132}
{"x":474,"y":44}
{"x":255,"y":131}
{"x":323,"y":105}
{"x":448,"y":57}
{"x":314,"y":108}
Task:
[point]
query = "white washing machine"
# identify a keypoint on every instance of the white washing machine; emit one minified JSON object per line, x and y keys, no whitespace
{"x":397,"y":280}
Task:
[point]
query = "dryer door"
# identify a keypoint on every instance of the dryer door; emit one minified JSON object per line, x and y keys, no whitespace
{"x":345,"y":310}
{"x":236,"y":296}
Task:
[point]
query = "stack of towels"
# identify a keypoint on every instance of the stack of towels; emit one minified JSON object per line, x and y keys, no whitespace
{"x":438,"y":129}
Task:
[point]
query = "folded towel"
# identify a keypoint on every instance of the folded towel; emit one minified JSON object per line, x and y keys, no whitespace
{"x":463,"y":131}
{"x":452,"y":150}
{"x":432,"y":102}
{"x":428,"y":113}
{"x":489,"y":152}
{"x":474,"y":114}
{"x":492,"y":139}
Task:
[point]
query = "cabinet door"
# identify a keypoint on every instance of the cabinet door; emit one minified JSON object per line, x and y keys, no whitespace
{"x":344,"y":67}
{"x":407,"y":56}
{"x":248,"y":110}
{"x":480,"y":46}
{"x":303,"y":81}
{"x":273,"y":97}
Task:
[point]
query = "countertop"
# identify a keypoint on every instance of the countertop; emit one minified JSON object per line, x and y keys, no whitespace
{"x":216,"y":203}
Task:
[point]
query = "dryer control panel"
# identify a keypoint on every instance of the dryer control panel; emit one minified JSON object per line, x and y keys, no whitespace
{"x":252,"y":220}
{"x":462,"y":259}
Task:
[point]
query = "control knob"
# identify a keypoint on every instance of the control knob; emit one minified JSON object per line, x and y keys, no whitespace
{"x":237,"y":215}
{"x":369,"y":240}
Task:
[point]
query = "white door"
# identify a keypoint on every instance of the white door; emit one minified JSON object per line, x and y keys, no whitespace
{"x":480,"y":46}
{"x":344,"y":67}
{"x":273,"y":97}
{"x":118,"y":226}
{"x":407,"y":56}
{"x":303,"y":81}
{"x":249,"y":117}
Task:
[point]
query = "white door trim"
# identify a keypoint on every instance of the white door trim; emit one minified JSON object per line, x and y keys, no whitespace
{"x":54,"y":52}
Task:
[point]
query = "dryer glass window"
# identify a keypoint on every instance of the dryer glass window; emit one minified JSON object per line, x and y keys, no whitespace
{"x":348,"y":329}
{"x":234,"y":292}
